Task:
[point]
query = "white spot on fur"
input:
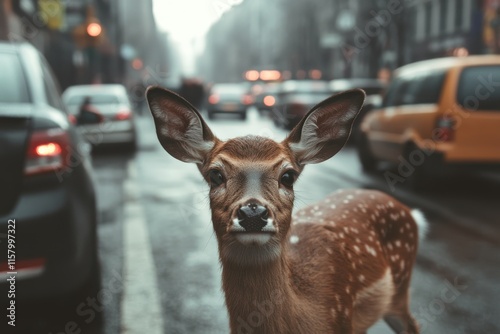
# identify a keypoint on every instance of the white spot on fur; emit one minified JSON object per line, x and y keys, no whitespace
{"x":333,"y":313}
{"x":371,"y":250}
{"x":294,"y":239}
{"x":378,"y":297}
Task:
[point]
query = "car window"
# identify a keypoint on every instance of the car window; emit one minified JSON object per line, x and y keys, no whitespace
{"x":94,"y":99}
{"x":429,"y":89}
{"x":13,"y":84}
{"x":51,"y":87}
{"x":420,"y":89}
{"x":479,"y":88}
{"x":394,"y":92}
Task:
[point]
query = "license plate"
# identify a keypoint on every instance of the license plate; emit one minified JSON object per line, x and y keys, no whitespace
{"x":229,"y":106}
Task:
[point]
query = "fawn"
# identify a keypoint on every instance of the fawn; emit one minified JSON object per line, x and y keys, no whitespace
{"x":337,"y":267}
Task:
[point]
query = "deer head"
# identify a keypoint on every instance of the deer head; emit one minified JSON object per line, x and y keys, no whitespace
{"x":251,"y":178}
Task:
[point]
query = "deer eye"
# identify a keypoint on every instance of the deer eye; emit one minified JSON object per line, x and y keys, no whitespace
{"x":288,"y":178}
{"x":216,"y":177}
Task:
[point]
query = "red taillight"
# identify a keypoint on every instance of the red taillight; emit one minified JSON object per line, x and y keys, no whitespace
{"x":72,"y":119}
{"x":445,"y":129}
{"x":269,"y":101}
{"x":123,"y":115}
{"x":213,"y":99}
{"x":47,"y":151}
{"x":247,"y":99}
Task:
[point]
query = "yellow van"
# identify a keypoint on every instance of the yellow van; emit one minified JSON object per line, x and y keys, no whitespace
{"x":437,"y":116}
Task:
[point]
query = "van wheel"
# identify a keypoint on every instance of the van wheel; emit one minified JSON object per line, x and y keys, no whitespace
{"x":366,"y":157}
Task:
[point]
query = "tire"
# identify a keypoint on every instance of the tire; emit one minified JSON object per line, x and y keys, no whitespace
{"x":243,"y":115}
{"x":368,"y":161}
{"x":211,"y":115}
{"x":91,"y":288}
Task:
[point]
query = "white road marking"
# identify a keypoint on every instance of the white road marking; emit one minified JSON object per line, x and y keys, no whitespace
{"x":141,"y":305}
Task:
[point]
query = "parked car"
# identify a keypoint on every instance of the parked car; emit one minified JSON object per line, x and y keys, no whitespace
{"x":437,"y":115}
{"x":112,"y":102}
{"x":47,"y":197}
{"x":373,"y":88}
{"x":232,"y":98}
{"x":296,"y":98}
{"x":267,"y":99}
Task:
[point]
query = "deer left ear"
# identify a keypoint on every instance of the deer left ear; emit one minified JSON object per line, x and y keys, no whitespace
{"x":179,"y":126}
{"x":326,"y":127}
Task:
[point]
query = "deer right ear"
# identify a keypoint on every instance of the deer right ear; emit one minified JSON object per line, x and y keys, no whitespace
{"x":179,"y":127}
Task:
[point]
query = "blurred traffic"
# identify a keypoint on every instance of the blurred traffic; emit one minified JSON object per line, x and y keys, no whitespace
{"x":80,"y":162}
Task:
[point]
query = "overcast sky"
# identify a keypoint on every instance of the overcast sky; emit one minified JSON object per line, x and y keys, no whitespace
{"x":187,"y":21}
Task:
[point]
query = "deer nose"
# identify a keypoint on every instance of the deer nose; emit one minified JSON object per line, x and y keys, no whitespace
{"x":253,"y":217}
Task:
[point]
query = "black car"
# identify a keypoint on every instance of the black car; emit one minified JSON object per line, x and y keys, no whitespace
{"x":231,"y":98}
{"x":266,"y":99}
{"x":47,"y":198}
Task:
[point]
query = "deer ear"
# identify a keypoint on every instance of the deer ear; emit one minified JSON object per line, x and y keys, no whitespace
{"x":326,"y":127}
{"x":179,"y":127}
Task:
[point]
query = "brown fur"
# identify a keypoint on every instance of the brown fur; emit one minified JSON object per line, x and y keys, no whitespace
{"x":337,"y":267}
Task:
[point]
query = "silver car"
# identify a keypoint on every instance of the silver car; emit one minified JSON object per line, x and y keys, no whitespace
{"x":112,"y":118}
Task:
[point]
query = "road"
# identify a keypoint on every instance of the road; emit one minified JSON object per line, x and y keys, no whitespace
{"x":159,"y":254}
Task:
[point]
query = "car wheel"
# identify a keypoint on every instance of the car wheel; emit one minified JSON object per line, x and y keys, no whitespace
{"x":368,"y":160}
{"x":243,"y":115}
{"x":210,"y":115}
{"x":91,"y":288}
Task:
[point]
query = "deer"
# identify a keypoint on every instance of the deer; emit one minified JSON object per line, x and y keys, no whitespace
{"x":336,"y":266}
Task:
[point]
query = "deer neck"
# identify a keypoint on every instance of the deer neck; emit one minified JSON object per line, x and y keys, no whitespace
{"x":261,"y":299}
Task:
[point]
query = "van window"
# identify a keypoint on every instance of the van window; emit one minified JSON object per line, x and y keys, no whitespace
{"x":479,"y":88}
{"x":13,"y":85}
{"x":419,"y":89}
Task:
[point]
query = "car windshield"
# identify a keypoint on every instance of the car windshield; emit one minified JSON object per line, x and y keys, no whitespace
{"x":94,"y":99}
{"x":13,"y":85}
{"x":479,"y":89}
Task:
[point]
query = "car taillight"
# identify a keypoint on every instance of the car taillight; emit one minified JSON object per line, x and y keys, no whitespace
{"x":269,"y":101}
{"x":47,"y":151}
{"x":213,"y":99}
{"x":445,"y":131}
{"x":123,"y":115}
{"x":247,"y":99}
{"x":72,"y":119}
